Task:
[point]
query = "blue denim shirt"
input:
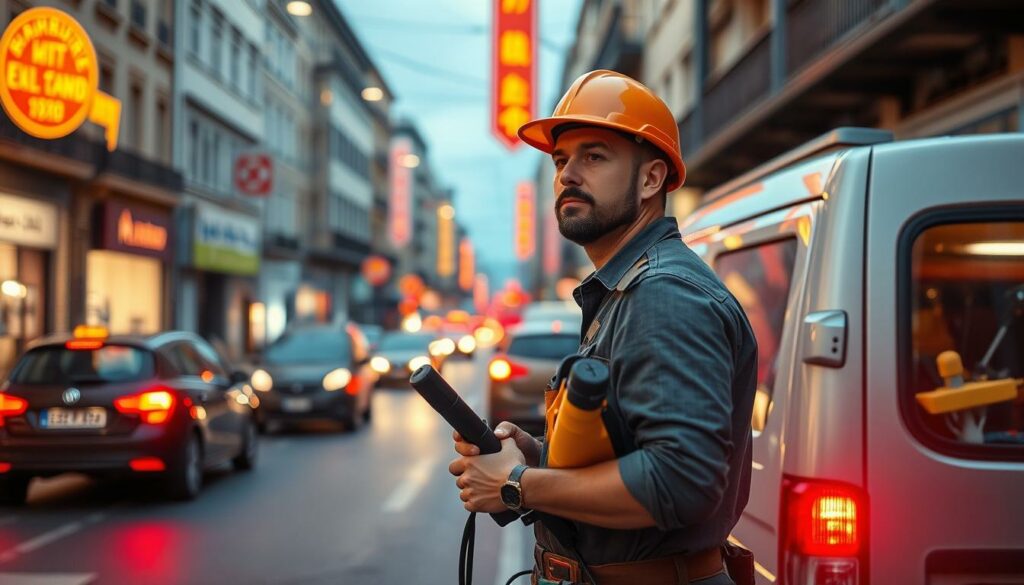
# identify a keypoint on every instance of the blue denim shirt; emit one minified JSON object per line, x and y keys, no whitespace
{"x":683,"y":363}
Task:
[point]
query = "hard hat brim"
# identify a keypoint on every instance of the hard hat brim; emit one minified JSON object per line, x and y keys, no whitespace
{"x":540,"y":135}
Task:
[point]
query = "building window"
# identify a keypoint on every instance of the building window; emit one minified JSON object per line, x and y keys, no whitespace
{"x":135,"y":122}
{"x":195,"y":27}
{"x":216,"y":44}
{"x":236,"y":51}
{"x":107,"y":77}
{"x":138,"y":14}
{"x":216,"y":173}
{"x":254,"y":60}
{"x":163,"y":121}
{"x":193,"y":146}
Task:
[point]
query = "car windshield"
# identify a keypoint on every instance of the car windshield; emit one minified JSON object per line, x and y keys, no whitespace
{"x":545,"y":346}
{"x":310,"y":346}
{"x":405,"y":341}
{"x":108,"y":364}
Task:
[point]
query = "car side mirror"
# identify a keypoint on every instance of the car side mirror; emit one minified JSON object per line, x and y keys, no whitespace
{"x":239,"y":377}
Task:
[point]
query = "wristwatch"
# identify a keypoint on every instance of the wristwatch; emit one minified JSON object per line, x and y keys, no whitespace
{"x":512,"y":490}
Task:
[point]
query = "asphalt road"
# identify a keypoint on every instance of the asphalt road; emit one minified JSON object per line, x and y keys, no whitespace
{"x":322,"y":506}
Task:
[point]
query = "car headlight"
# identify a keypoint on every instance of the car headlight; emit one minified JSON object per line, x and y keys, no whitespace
{"x":441,"y":347}
{"x":467,"y":344}
{"x":337,"y":379}
{"x":262,"y":381}
{"x":380,"y":365}
{"x":418,"y":362}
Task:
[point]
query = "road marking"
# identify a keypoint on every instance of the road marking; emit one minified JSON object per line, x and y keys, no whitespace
{"x":46,"y":538}
{"x":511,"y":555}
{"x":46,"y":578}
{"x":406,"y":492}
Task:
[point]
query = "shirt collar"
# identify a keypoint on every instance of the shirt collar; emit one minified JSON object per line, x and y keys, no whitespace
{"x":612,"y":272}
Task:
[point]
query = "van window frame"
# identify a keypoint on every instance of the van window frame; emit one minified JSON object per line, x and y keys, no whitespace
{"x":909,"y":409}
{"x":794,"y":272}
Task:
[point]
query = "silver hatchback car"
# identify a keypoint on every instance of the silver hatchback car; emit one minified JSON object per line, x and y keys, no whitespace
{"x":883,"y":281}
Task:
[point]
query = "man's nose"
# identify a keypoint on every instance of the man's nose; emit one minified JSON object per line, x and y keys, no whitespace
{"x":569,"y":176}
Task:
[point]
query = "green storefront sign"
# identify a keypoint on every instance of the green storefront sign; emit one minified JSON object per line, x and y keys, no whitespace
{"x":225,"y":242}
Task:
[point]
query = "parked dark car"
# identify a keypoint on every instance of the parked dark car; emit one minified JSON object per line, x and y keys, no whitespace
{"x":163,"y":405}
{"x":315,"y":372}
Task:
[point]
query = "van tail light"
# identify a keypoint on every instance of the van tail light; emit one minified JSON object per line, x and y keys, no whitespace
{"x":4,"y":467}
{"x":153,"y":406}
{"x":823,"y":533}
{"x":11,"y":406}
{"x":502,"y":369}
{"x":353,"y":387}
{"x":147,"y":464}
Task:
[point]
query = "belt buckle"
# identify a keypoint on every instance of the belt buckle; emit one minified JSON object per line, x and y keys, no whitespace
{"x":558,"y":569}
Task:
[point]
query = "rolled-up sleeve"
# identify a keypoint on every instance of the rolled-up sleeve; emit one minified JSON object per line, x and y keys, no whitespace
{"x":672,"y":369}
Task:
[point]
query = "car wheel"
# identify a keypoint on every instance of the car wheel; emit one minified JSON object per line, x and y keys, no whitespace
{"x":246,"y":458}
{"x":186,"y":477}
{"x":14,"y":491}
{"x":368,"y":413}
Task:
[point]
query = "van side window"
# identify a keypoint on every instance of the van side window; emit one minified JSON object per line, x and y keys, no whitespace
{"x":760,"y":278}
{"x":966,"y":317}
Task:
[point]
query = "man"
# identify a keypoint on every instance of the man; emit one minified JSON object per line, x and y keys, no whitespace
{"x":681,"y":353}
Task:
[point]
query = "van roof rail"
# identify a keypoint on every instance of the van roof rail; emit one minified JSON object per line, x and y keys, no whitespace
{"x":846,"y":136}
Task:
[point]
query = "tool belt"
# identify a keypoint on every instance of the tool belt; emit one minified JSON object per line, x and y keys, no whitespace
{"x":673,"y":570}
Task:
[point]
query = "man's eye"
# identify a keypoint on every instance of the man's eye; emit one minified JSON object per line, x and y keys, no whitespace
{"x":592,"y":156}
{"x":559,"y":163}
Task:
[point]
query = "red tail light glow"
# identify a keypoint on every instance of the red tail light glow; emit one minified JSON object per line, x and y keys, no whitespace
{"x":147,"y":464}
{"x":11,"y":406}
{"x":153,"y":406}
{"x":502,"y":369}
{"x":84,"y":344}
{"x":5,"y":467}
{"x":824,"y":531}
{"x":353,"y":387}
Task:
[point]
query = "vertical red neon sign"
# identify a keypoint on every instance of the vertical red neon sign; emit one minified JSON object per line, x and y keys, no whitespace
{"x":525,"y":220}
{"x":400,"y":200}
{"x":514,"y":69}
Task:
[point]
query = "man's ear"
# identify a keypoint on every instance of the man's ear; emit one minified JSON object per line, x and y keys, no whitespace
{"x":653,"y":175}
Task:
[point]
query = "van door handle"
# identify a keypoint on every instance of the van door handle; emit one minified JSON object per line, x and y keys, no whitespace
{"x":824,"y":338}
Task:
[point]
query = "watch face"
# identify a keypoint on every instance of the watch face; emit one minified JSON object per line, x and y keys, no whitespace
{"x":510,"y":496}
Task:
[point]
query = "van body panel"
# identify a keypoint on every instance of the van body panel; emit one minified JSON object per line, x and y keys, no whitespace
{"x":823,"y":438}
{"x":802,"y":182}
{"x":922,"y":502}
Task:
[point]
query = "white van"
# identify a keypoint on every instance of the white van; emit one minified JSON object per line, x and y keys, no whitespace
{"x":859,"y":261}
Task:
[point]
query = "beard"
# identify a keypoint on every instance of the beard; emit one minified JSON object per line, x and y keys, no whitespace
{"x":582,"y":226}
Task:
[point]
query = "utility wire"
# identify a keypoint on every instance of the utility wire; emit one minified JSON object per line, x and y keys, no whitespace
{"x":429,"y":69}
{"x":445,"y":28}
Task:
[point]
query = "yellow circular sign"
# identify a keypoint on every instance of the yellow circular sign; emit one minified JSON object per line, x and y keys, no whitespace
{"x":49,"y":73}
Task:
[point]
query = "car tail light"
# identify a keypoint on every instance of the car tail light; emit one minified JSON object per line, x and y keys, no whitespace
{"x":824,"y":533}
{"x":502,"y":369}
{"x":84,"y":344}
{"x":353,"y":387}
{"x":5,"y":467}
{"x":147,"y":464}
{"x":153,"y":406}
{"x":11,"y":406}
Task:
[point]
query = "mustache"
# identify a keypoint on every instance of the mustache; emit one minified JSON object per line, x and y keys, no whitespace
{"x":573,"y":193}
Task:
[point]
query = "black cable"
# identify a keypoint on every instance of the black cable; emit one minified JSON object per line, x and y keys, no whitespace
{"x":518,"y":575}
{"x":466,"y":551}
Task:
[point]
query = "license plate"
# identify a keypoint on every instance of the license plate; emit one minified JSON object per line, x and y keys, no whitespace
{"x":73,"y":418}
{"x":296,"y":404}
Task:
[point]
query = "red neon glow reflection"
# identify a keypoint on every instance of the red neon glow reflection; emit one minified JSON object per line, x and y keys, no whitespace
{"x":148,"y":552}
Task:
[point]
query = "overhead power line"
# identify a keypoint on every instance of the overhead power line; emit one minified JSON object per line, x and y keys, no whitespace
{"x":444,"y":28}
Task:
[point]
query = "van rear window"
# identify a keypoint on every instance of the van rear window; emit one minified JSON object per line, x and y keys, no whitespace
{"x":56,"y":364}
{"x":760,"y":277}
{"x":967,"y":317}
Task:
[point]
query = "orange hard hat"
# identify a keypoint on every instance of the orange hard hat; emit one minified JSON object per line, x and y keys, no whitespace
{"x":608,"y":99}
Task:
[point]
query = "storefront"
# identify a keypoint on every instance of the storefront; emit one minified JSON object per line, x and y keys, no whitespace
{"x":28,"y":239}
{"x":219,"y":285}
{"x":127,"y":269}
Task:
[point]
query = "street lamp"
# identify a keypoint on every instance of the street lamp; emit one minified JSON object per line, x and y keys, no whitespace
{"x":299,"y":8}
{"x":409,"y":161}
{"x":13,"y":288}
{"x":373,"y":94}
{"x":446,"y":212}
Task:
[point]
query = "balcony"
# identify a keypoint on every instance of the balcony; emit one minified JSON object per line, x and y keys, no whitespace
{"x":128,"y":165}
{"x":758,"y":109}
{"x":78,"y":154}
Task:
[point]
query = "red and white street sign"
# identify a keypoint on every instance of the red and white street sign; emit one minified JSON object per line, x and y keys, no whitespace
{"x":514,"y":68}
{"x":254,"y":174}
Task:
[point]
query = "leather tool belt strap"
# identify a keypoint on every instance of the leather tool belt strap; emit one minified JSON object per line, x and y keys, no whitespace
{"x":674,"y":570}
